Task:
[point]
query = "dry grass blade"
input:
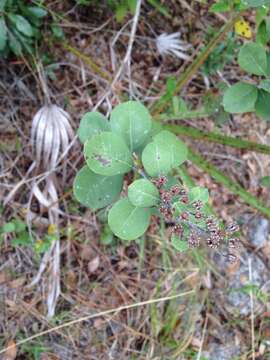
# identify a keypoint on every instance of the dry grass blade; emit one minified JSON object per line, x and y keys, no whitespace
{"x":92,"y":316}
{"x":126,"y":60}
{"x":252,"y":309}
{"x":11,"y":351}
{"x":50,"y":138}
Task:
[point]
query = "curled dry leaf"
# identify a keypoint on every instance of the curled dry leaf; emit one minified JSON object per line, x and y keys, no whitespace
{"x":17,"y":283}
{"x":50,"y":134}
{"x":85,"y":252}
{"x":94,"y":264}
{"x":47,"y":356}
{"x":233,"y":268}
{"x":71,"y":280}
{"x":4,"y":277}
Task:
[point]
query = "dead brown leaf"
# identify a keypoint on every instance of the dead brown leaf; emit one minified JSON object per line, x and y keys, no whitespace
{"x":86,"y":252}
{"x":233,"y":268}
{"x":48,"y":356}
{"x":14,"y":284}
{"x":266,"y":333}
{"x":93,"y":265}
{"x":11,"y":352}
{"x":4,"y":277}
{"x":71,"y":280}
{"x":193,"y":280}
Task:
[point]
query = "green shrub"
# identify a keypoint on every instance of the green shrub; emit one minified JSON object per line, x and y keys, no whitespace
{"x":130,"y":165}
{"x":20,"y":24}
{"x":250,"y":96}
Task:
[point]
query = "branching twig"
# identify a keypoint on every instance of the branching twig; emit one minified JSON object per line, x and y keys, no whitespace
{"x":130,"y":43}
{"x":127,"y":55}
{"x":202,"y":340}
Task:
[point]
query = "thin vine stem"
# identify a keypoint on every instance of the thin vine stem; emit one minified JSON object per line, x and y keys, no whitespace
{"x":161,"y":104}
{"x":86,"y":59}
{"x":212,"y":137}
{"x":231,"y":185}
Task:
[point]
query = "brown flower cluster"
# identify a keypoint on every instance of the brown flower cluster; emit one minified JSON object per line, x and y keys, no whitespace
{"x":193,"y":224}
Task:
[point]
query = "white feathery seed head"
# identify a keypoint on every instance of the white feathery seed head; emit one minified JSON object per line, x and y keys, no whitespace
{"x":170,"y":44}
{"x":50,"y":135}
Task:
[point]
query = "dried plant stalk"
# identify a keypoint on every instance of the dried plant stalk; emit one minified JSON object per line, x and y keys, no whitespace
{"x":50,"y":139}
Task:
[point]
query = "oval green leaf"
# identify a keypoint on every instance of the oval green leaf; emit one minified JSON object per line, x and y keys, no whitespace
{"x":257,"y":3}
{"x":180,"y":207}
{"x":262,"y":107}
{"x":240,"y":98}
{"x":178,"y":244}
{"x":155,"y":129}
{"x":265,"y":181}
{"x":265,"y":85}
{"x":37,"y":11}
{"x":132,"y":121}
{"x":106,"y":236}
{"x":262,"y":36}
{"x":268,"y":64}
{"x":156,"y":159}
{"x":3,"y":34}
{"x":143,"y":193}
{"x":14,"y":44}
{"x":92,"y":123}
{"x":252,"y":58}
{"x":128,"y":222}
{"x":96,"y":191}
{"x":107,"y":154}
{"x":171,"y":181}
{"x":178,"y":150}
{"x":198,"y":193}
{"x":22,"y":25}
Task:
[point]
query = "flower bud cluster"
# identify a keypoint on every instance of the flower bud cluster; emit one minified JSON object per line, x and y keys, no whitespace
{"x":192,"y":217}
